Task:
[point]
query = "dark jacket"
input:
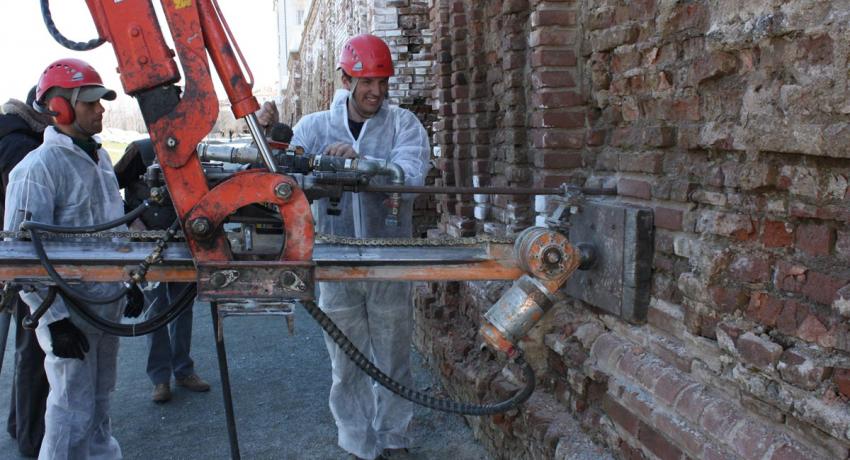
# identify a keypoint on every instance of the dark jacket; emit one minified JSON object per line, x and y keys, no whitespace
{"x":17,"y":138}
{"x":137,"y":157}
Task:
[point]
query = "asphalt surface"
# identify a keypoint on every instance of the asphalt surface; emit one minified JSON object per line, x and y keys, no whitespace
{"x":280,"y":385}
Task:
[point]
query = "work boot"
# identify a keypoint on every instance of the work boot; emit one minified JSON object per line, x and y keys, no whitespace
{"x":193,"y":383}
{"x":161,"y":393}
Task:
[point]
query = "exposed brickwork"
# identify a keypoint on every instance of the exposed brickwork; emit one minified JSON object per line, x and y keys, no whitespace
{"x":732,"y":124}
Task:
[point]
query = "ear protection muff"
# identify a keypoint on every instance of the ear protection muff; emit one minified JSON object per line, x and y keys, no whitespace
{"x":60,"y":108}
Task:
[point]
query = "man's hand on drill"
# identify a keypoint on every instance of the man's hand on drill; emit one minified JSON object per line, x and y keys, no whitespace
{"x":341,"y":149}
{"x":67,"y":340}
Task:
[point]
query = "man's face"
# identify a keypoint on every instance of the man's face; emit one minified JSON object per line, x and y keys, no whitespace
{"x":89,"y":116}
{"x":369,"y":94}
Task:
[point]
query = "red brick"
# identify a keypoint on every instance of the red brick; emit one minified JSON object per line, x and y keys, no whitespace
{"x":815,"y":239}
{"x":750,"y":269}
{"x":841,"y":378}
{"x":728,"y":300}
{"x":764,"y":308}
{"x":552,"y":79}
{"x":789,"y":277}
{"x":657,"y":443}
{"x":668,"y":218}
{"x":789,"y":452}
{"x":683,"y":109}
{"x":620,"y":415}
{"x":659,"y":136}
{"x":822,"y":288}
{"x":634,"y":188}
{"x":556,"y":99}
{"x":798,"y":369}
{"x":752,"y":439}
{"x":758,"y":351}
{"x":681,"y":434}
{"x":715,"y":64}
{"x":811,"y":329}
{"x":777,"y":234}
{"x":549,"y":139}
{"x":638,"y":403}
{"x":650,"y":163}
{"x":553,"y":17}
{"x":792,"y":315}
{"x":557,"y":119}
{"x":691,"y":16}
{"x":561,"y":160}
{"x":670,"y":385}
{"x":719,"y":418}
{"x":549,"y":36}
{"x":816,"y":50}
{"x":693,"y":401}
{"x":630,"y":363}
{"x":553,"y":58}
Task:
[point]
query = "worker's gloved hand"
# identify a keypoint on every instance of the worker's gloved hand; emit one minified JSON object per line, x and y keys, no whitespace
{"x":268,"y":114}
{"x":135,"y":302}
{"x":67,"y":340}
{"x":341,"y":149}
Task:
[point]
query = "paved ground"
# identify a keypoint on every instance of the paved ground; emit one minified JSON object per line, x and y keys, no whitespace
{"x":280,"y":387}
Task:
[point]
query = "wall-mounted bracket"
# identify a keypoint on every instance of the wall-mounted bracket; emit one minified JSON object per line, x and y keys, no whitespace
{"x":620,"y":280}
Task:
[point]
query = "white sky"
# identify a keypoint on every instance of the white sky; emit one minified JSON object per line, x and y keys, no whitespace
{"x":27,"y":47}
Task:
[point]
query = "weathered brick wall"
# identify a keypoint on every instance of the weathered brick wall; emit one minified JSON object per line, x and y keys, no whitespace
{"x":730,"y":120}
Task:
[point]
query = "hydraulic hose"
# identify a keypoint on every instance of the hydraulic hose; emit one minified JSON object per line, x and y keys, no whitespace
{"x":54,"y":32}
{"x":33,"y":228}
{"x":414,"y":396}
{"x":184,"y":300}
{"x":66,"y":288}
{"x":125,"y":219}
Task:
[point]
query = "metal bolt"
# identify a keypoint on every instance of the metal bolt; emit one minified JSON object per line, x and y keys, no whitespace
{"x":171,"y":142}
{"x":283,"y":191}
{"x":552,"y":256}
{"x":201,"y":226}
{"x":218,"y":279}
{"x":290,"y":280}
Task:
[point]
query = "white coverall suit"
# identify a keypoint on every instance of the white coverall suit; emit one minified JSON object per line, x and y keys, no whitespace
{"x":376,"y":316}
{"x":60,"y":184}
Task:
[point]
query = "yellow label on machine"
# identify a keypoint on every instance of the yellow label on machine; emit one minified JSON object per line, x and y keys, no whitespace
{"x":180,"y":4}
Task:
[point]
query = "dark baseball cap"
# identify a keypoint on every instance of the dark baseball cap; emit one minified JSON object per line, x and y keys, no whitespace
{"x":95,"y":93}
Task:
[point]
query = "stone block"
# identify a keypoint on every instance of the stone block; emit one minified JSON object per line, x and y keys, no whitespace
{"x":798,"y":366}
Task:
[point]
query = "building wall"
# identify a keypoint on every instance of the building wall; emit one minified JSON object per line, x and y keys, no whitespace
{"x":730,"y":120}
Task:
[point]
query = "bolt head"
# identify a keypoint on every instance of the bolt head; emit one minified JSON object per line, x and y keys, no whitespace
{"x":171,"y":142}
{"x":201,"y":226}
{"x":283,"y":191}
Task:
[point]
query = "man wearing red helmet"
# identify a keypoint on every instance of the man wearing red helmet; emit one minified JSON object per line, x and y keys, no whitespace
{"x":377,"y":316}
{"x":68,"y":181}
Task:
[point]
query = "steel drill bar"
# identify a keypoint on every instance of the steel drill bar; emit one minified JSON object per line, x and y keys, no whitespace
{"x":429,"y":189}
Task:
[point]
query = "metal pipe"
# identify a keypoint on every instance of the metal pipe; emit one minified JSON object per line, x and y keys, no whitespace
{"x":260,"y":139}
{"x":430,"y":189}
{"x":221,"y":352}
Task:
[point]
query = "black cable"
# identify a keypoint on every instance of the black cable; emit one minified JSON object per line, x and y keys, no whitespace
{"x":184,"y":300}
{"x":54,"y":32}
{"x":412,"y":395}
{"x":30,"y":321}
{"x":64,"y":286}
{"x":125,"y":219}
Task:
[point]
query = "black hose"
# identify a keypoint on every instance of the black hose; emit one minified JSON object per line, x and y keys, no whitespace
{"x":125,"y":219}
{"x":412,"y":395}
{"x":184,"y":300}
{"x":66,"y":288}
{"x":30,"y":321}
{"x":54,"y":32}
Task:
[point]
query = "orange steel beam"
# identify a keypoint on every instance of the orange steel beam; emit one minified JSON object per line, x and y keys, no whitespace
{"x":472,"y":271}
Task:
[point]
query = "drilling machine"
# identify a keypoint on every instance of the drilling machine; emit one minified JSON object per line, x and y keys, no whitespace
{"x":190,"y":175}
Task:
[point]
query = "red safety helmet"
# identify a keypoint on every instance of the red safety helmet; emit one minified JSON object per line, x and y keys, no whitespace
{"x":70,"y":74}
{"x":366,"y":56}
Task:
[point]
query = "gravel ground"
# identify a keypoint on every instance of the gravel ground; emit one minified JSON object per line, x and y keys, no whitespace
{"x":280,"y":386}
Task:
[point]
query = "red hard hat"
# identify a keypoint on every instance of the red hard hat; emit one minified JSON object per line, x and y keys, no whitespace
{"x":69,"y":73}
{"x":366,"y":56}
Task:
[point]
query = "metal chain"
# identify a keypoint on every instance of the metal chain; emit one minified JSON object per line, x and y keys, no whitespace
{"x":320,"y":238}
{"x":138,"y":235}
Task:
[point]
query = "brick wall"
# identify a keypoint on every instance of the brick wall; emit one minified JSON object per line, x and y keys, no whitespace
{"x":730,"y":120}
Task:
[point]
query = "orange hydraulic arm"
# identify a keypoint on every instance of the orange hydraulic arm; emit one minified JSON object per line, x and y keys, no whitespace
{"x":179,"y":119}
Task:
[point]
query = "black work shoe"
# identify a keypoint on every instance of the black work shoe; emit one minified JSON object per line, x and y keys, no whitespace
{"x":400,"y":453}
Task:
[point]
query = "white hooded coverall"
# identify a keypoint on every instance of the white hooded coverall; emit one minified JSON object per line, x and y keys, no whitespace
{"x":60,"y":184}
{"x":376,"y":316}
